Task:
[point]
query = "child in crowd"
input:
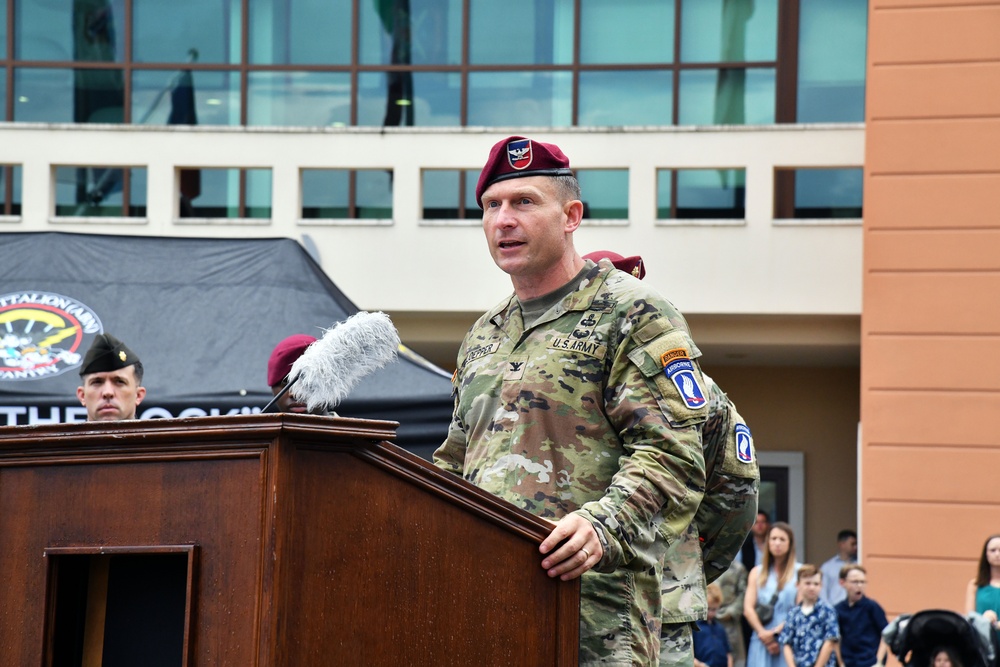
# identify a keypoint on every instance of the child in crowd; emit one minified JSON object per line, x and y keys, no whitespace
{"x":711,"y":647}
{"x":811,"y":633}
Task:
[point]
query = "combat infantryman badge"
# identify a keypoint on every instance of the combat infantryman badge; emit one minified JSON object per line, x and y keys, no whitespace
{"x":679,"y":368}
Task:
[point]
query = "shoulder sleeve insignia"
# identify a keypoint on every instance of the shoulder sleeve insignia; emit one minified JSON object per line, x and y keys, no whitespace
{"x":678,"y":367}
{"x":744,"y":444}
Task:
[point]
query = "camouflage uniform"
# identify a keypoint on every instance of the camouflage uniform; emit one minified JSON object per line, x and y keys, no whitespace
{"x":720,"y":526}
{"x":733,"y":583}
{"x":584,"y":412}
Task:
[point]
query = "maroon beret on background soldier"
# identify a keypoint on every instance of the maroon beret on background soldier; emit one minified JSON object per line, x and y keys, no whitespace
{"x":516,"y":157}
{"x":284,"y":355}
{"x":632,"y":265}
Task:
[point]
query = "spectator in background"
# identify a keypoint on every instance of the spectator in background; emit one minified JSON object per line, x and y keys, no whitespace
{"x":733,"y":586}
{"x":861,"y":621}
{"x":983,"y":594}
{"x":811,"y":633}
{"x":711,"y":645}
{"x":847,"y":553}
{"x":771,"y":583}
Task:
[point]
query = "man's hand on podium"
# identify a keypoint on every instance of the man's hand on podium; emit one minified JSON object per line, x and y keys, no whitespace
{"x":574,"y":547}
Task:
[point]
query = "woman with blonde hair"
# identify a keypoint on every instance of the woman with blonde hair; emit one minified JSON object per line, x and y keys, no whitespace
{"x":771,"y":592}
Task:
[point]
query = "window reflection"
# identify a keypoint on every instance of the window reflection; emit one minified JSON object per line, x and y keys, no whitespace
{"x":68,"y":96}
{"x":717,"y":194}
{"x":100,"y":192}
{"x":3,"y":31}
{"x":299,"y":98}
{"x":346,"y":194}
{"x":446,"y":198}
{"x":639,"y":31}
{"x":729,"y":30}
{"x":231,"y":193}
{"x":541,"y":35}
{"x":166,"y":32}
{"x":81,"y":30}
{"x":300,"y":32}
{"x":822,"y":193}
{"x":520,"y":98}
{"x":727,"y":97}
{"x":605,"y":192}
{"x":429,"y":99}
{"x":641,"y":98}
{"x":832,"y":42}
{"x":417,"y":32}
{"x":162,"y":97}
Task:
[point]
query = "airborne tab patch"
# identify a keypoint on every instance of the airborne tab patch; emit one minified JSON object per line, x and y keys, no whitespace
{"x":679,"y":368}
{"x":744,"y":444}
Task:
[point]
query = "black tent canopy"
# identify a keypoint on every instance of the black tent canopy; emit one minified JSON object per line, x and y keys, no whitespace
{"x":202,"y":314}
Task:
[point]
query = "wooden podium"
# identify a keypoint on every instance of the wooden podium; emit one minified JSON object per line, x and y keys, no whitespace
{"x":263,"y":540}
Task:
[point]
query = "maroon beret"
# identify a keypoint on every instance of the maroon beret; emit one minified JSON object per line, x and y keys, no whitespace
{"x":631,"y":265}
{"x":284,"y":355}
{"x":515,"y":157}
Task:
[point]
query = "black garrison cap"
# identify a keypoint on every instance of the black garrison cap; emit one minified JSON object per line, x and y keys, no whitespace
{"x":106,"y":354}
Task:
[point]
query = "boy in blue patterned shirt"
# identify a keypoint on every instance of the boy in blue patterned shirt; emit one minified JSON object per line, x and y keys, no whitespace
{"x":811,"y":632}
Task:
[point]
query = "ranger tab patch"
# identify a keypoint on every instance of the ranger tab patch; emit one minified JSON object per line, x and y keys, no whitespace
{"x":744,"y":444}
{"x":679,"y":368}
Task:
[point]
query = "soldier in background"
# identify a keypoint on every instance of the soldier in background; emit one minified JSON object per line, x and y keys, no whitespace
{"x":111,"y":380}
{"x":580,"y":399}
{"x":706,"y":551}
{"x":733,"y":584}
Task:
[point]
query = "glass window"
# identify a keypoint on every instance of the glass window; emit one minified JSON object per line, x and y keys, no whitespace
{"x":180,"y":98}
{"x":230,"y":193}
{"x":84,"y":30}
{"x":184,"y":30}
{"x":326,"y":193}
{"x":300,"y":32}
{"x":10,"y":189}
{"x":729,"y":30}
{"x":418,"y":32}
{"x":404,"y":98}
{"x":605,"y":193}
{"x":299,"y":98}
{"x":727,"y":97}
{"x":640,"y":98}
{"x":640,"y":31}
{"x":541,"y":32}
{"x":701,"y":193}
{"x":520,"y":98}
{"x":826,"y":193}
{"x":445,"y":198}
{"x":68,"y":96}
{"x":3,"y":29}
{"x":100,"y":192}
{"x":3,"y":93}
{"x":832,"y":40}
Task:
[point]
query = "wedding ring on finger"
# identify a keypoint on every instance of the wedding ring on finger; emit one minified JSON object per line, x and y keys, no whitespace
{"x":586,"y":553}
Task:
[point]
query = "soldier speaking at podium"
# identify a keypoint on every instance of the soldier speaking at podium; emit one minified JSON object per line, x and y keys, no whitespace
{"x":111,"y":375}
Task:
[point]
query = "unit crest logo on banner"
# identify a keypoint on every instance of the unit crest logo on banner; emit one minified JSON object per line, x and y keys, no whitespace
{"x":41,"y":334}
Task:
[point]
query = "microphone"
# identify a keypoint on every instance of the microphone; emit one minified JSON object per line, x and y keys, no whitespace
{"x":329,"y":368}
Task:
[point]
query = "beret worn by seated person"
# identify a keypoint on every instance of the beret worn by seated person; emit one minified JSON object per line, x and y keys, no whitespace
{"x":107,"y":354}
{"x":284,"y":355}
{"x":516,"y":157}
{"x":631,"y":265}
